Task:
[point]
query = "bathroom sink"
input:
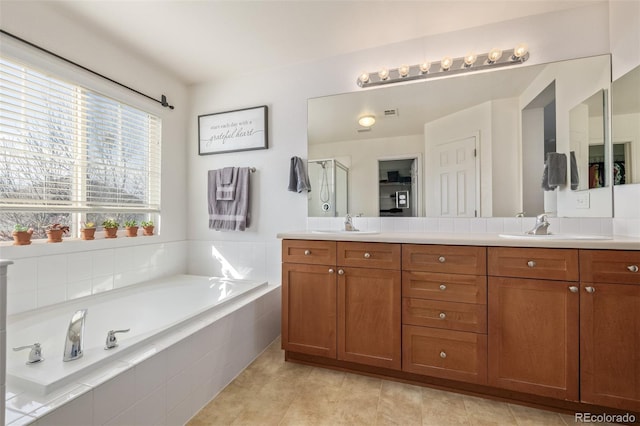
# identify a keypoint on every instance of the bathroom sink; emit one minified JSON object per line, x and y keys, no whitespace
{"x":554,"y":237}
{"x":342,"y":231}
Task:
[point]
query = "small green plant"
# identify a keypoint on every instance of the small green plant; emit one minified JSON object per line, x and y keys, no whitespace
{"x":130,"y":223}
{"x":145,"y":224}
{"x":58,"y":227}
{"x":88,"y":225}
{"x":20,"y":228}
{"x":110,"y":223}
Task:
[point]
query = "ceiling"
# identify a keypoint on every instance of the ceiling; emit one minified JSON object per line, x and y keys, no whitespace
{"x":204,"y":41}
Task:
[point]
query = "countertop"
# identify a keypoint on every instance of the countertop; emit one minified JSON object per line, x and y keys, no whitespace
{"x":468,"y":239}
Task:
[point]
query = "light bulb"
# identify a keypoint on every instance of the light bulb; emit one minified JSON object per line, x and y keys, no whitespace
{"x":403,"y":70}
{"x":446,"y":63}
{"x":367,"y":120}
{"x":520,"y":50}
{"x":364,"y":77}
{"x":424,"y":67}
{"x":383,"y":74}
{"x":494,"y":55}
{"x":470,"y":59}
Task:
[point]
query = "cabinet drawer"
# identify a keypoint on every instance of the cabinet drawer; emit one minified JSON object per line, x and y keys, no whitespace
{"x":310,"y":252}
{"x":610,"y":266}
{"x":369,"y":255}
{"x":447,"y":315}
{"x":448,"y":354}
{"x":541,"y":263}
{"x":445,"y":259}
{"x":446,"y":287}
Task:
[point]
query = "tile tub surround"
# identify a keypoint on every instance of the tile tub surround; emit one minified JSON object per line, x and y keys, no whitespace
{"x":166,"y":381}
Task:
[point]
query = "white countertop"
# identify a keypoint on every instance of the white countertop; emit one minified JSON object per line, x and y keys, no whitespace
{"x":466,"y":239}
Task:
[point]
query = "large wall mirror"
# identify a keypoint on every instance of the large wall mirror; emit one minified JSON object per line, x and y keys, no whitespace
{"x":625,"y":128}
{"x":461,"y":146}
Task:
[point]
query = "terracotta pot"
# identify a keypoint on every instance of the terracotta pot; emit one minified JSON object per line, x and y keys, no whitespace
{"x":111,"y":232}
{"x":22,"y":238}
{"x":147,"y":230}
{"x":132,"y":231}
{"x":88,"y":233}
{"x":54,"y":236}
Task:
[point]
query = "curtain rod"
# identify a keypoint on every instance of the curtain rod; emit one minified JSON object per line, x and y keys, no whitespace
{"x":162,"y":101}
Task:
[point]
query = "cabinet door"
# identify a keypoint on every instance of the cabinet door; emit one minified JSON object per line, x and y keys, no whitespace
{"x":610,"y":345}
{"x":369,"y":309}
{"x":533,"y":336}
{"x":309,"y":309}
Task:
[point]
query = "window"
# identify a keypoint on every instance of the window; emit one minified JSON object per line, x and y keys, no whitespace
{"x":68,"y":154}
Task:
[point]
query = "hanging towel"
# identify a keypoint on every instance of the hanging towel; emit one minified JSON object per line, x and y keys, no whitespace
{"x":230,"y":215}
{"x":298,"y":177}
{"x":225,"y":183}
{"x":555,"y":171}
{"x":575,"y":177}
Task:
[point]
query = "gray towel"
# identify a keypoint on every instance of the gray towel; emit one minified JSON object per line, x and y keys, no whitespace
{"x":230,"y":215}
{"x":298,"y":177}
{"x":555,"y":171}
{"x":225,"y":183}
{"x":575,"y":177}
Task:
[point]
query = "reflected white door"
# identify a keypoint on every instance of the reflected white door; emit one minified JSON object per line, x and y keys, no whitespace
{"x":455,"y":168}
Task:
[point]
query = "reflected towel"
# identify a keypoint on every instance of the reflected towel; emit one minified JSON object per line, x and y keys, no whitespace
{"x":230,"y":215}
{"x":555,"y":171}
{"x":225,"y":183}
{"x":575,"y":177}
{"x":298,"y":177}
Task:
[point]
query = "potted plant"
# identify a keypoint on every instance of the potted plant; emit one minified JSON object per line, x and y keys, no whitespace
{"x":110,"y":228}
{"x":88,"y":231}
{"x":22,"y":235}
{"x":55,"y":232}
{"x":147,"y":227}
{"x":132,"y":228}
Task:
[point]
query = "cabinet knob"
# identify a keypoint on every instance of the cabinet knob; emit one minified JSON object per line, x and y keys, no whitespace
{"x":331,"y":271}
{"x":590,"y":289}
{"x":443,"y":354}
{"x":531,"y":264}
{"x":442,"y":315}
{"x":367,"y":255}
{"x":340,"y":272}
{"x":307,"y":252}
{"x":441,"y":259}
{"x":633,"y":268}
{"x":573,"y":289}
{"x":443,"y":287}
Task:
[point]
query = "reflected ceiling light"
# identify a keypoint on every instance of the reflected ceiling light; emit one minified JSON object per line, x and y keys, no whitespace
{"x":468,"y":63}
{"x":367,"y":120}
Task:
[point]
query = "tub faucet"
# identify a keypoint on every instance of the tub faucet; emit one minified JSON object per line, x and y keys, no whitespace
{"x":73,"y":341}
{"x":348,"y":223}
{"x":541,"y":225}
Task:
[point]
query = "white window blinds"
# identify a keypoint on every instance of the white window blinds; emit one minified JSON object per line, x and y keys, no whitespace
{"x":65,"y":148}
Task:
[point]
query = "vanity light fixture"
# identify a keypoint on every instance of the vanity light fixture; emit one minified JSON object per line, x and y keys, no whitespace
{"x":468,"y":63}
{"x":367,"y":120}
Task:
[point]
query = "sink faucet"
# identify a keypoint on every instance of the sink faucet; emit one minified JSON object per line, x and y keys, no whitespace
{"x":73,"y":341}
{"x":541,"y":225}
{"x":348,"y":223}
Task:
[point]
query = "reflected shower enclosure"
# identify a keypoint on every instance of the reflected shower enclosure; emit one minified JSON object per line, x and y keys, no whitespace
{"x":329,"y":193}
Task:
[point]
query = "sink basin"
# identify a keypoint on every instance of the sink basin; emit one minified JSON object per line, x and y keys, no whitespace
{"x":555,"y":237}
{"x":341,"y":231}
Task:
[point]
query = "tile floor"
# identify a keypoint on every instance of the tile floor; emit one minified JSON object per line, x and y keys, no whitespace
{"x":273,"y":392}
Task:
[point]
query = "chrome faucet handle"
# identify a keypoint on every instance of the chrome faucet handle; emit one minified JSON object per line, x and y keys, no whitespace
{"x":35,"y":355}
{"x":542,"y":218}
{"x":348,"y":223}
{"x":112,"y":341}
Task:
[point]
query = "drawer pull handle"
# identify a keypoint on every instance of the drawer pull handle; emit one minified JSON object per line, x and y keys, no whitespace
{"x":331,"y":271}
{"x":307,"y":252}
{"x":340,"y":272}
{"x":441,"y":259}
{"x":573,"y":289}
{"x":590,"y":289}
{"x":442,"y":315}
{"x":531,"y":264}
{"x":367,"y":255}
{"x":633,"y":268}
{"x":443,"y":287}
{"x":443,"y":354}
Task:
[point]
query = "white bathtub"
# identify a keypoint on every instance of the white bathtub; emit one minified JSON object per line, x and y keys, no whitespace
{"x":150,"y":310}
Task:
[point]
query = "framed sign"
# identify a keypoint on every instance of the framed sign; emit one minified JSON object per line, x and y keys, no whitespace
{"x":231,"y":131}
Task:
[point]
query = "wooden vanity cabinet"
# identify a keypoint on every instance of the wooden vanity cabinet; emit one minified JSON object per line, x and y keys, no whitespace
{"x":610,"y":328}
{"x":534,"y":323}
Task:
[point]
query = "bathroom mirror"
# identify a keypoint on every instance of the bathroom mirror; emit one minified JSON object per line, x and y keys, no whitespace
{"x":475,"y":119}
{"x":625,"y":127}
{"x":588,"y":160}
